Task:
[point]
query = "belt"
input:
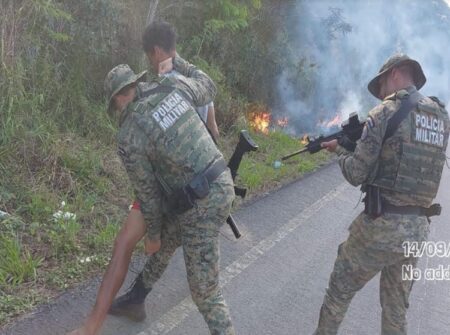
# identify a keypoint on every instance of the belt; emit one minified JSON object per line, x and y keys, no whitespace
{"x":198,"y":187}
{"x":433,"y":210}
{"x":213,"y":171}
{"x":183,"y":199}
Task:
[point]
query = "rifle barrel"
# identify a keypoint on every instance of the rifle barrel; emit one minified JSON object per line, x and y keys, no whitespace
{"x":294,"y":154}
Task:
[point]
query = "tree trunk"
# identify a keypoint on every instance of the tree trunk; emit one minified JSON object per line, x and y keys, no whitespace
{"x":152,"y":11}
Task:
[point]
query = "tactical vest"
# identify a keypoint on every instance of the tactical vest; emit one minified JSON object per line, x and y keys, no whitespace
{"x":412,"y":160}
{"x":181,"y":144}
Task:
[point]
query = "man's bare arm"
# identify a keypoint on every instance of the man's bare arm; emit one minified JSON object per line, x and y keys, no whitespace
{"x":211,"y":122}
{"x":132,"y":231}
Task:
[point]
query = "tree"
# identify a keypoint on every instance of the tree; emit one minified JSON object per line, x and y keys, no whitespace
{"x":152,"y":11}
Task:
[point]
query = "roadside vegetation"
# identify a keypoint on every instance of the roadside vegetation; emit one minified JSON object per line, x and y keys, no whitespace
{"x":53,"y":238}
{"x":63,"y":191}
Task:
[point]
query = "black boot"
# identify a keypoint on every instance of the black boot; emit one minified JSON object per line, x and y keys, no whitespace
{"x":131,"y":304}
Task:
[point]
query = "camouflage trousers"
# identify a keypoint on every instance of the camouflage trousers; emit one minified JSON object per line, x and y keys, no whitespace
{"x":357,"y":262}
{"x":197,"y":232}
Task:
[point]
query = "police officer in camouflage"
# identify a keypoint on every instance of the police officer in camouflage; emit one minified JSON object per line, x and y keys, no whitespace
{"x":185,"y":193}
{"x":398,"y":161}
{"x":159,"y":45}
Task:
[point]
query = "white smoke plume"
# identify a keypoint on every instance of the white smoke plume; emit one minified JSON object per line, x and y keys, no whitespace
{"x":346,"y":42}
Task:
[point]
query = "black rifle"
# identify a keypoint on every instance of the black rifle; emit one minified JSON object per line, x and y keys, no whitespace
{"x":244,"y":145}
{"x":351,"y":130}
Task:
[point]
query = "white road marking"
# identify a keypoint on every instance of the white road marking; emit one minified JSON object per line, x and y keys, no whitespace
{"x":177,"y":314}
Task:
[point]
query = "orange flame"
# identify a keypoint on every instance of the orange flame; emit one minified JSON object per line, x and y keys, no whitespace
{"x":336,"y":121}
{"x":259,"y":117}
{"x":304,"y":139}
{"x":260,"y":121}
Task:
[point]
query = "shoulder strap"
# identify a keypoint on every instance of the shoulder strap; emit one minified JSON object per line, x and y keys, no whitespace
{"x":164,"y":88}
{"x":158,"y":89}
{"x":408,"y":103}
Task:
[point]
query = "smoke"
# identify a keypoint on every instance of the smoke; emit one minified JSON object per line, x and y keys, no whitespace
{"x":339,"y":46}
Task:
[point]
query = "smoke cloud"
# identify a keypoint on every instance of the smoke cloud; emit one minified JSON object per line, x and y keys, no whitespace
{"x":343,"y":44}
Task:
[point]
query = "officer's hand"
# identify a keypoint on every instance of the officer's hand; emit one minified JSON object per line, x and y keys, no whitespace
{"x":330,"y":146}
{"x":165,"y":66}
{"x":151,"y":247}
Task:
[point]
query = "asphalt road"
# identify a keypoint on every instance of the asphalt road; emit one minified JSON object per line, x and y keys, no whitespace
{"x":275,"y":276}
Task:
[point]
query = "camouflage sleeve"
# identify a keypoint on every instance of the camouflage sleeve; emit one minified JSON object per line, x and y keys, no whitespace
{"x":146,"y":187}
{"x":357,"y":166}
{"x":197,"y":84}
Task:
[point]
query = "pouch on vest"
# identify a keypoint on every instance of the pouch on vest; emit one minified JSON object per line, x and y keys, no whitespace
{"x":372,"y":201}
{"x":184,"y":198}
{"x":181,"y":201}
{"x":199,"y":186}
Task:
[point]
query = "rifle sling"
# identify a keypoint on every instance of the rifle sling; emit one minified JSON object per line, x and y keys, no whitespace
{"x":407,"y":105}
{"x":158,"y":89}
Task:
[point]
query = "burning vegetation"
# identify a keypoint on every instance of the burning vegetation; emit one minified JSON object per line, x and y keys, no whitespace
{"x":336,"y":121}
{"x":260,"y":119}
{"x":305,"y":139}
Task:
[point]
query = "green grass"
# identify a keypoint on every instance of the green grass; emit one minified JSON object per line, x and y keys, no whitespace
{"x":18,"y":303}
{"x":17,"y":265}
{"x":41,"y":256}
{"x":258,"y":172}
{"x":105,"y":234}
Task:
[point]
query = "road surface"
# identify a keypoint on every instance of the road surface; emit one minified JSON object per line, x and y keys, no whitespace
{"x":274,"y":277}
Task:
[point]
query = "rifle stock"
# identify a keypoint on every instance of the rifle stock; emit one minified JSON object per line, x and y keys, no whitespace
{"x":244,"y":145}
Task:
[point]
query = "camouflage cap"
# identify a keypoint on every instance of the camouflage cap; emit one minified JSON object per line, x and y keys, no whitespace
{"x":119,"y":77}
{"x":396,"y":61}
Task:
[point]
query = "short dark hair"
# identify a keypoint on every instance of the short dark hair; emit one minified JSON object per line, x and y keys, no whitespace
{"x":161,"y":34}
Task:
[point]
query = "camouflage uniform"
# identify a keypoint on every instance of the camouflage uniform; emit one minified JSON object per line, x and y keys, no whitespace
{"x":201,"y":110}
{"x":159,"y":139}
{"x":375,"y":244}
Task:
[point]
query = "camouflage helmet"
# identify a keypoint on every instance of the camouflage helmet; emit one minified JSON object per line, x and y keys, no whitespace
{"x":396,"y":61}
{"x":118,"y":78}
